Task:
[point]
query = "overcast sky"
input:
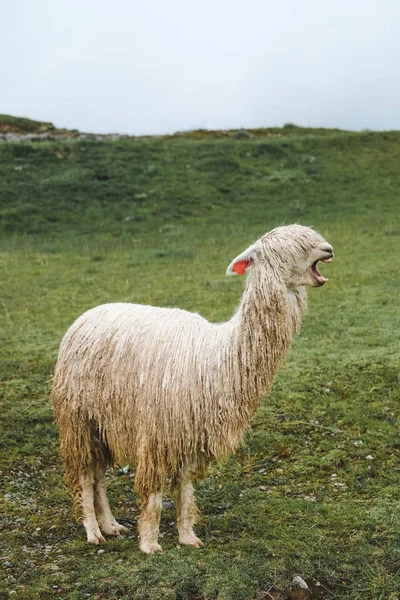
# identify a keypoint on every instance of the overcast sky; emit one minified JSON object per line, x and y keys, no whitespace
{"x":158,"y":66}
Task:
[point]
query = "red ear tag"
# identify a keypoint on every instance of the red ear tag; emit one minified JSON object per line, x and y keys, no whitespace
{"x":240,"y":267}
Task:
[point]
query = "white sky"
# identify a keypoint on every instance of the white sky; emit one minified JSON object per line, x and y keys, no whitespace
{"x":158,"y":66}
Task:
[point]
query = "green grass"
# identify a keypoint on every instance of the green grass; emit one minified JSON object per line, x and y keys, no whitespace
{"x":158,"y":221}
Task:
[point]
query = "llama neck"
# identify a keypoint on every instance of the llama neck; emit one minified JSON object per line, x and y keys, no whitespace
{"x":262,"y":330}
{"x":247,"y":355}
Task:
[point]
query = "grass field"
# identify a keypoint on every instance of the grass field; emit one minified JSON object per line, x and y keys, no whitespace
{"x":314,"y":491}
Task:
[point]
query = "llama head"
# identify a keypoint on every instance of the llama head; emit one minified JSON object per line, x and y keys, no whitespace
{"x":290,"y":253}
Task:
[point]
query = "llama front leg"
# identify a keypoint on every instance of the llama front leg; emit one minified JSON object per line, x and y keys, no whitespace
{"x":86,"y":493}
{"x":149,"y":524}
{"x":107,"y":521}
{"x":187,"y":513}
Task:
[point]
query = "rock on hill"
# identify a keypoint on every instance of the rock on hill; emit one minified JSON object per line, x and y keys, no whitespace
{"x":17,"y":129}
{"x":21,"y":129}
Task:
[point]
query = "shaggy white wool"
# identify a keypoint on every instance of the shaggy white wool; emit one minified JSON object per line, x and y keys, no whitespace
{"x":162,"y":388}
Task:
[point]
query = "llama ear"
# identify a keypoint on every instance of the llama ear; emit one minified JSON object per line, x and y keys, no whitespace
{"x":239,"y":265}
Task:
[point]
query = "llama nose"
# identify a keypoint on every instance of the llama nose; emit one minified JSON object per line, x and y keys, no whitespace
{"x":325,"y":247}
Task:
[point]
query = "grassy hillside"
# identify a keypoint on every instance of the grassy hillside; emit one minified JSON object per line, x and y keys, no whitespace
{"x":10,"y":124}
{"x":314,"y":491}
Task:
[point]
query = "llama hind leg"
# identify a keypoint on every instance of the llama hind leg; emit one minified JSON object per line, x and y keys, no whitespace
{"x":187,"y":511}
{"x":149,"y":524}
{"x":107,"y":521}
{"x":86,"y":493}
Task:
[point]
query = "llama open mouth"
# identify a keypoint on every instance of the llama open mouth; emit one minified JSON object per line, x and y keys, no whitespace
{"x":320,"y":278}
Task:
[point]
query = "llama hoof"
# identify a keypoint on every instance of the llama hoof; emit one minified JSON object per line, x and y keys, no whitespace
{"x":95,"y":537}
{"x":113,"y":528}
{"x":191,"y":540}
{"x":150,"y":548}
